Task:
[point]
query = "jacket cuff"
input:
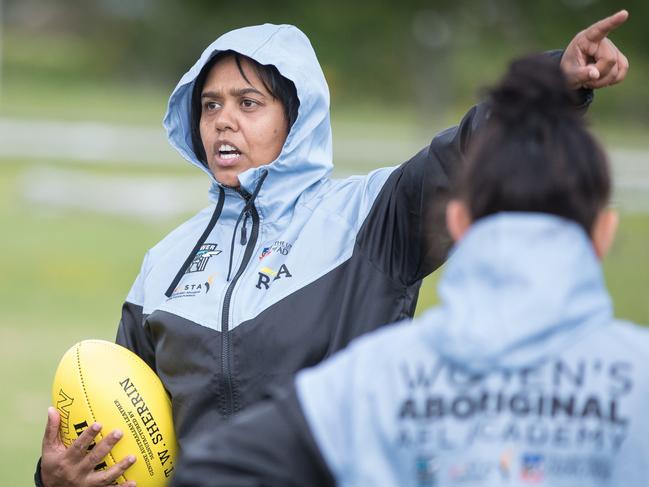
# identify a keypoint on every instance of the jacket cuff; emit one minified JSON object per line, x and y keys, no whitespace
{"x":38,"y":482}
{"x":583,"y":96}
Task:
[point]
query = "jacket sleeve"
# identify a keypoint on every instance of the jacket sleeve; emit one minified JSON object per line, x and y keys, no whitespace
{"x":267,"y":445}
{"x":132,"y":332}
{"x":405,"y":232}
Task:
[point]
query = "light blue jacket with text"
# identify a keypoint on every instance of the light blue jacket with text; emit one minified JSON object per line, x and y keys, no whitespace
{"x":520,"y":377}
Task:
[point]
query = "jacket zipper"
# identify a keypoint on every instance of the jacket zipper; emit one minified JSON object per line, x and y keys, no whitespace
{"x":225,"y":317}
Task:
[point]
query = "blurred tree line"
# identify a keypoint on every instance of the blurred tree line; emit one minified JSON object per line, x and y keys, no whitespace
{"x":431,"y":54}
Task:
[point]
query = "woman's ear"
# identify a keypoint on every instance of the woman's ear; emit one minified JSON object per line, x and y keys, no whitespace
{"x":458,"y":219}
{"x":603,"y":232}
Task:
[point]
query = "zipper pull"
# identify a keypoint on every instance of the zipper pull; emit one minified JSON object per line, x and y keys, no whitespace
{"x":244,"y":237}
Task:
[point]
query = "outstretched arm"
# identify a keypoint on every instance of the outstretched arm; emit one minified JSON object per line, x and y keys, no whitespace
{"x":406,"y":233}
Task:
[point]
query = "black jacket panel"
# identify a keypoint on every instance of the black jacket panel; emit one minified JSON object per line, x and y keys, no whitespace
{"x":269,"y":445}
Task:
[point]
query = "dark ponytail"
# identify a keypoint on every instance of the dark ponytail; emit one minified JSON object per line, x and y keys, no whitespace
{"x":535,"y":154}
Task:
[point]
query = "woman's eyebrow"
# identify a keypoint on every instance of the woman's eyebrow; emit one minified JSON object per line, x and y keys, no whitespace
{"x":236,"y":92}
{"x":245,"y":91}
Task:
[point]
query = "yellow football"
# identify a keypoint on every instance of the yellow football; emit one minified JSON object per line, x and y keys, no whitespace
{"x":100,"y":381}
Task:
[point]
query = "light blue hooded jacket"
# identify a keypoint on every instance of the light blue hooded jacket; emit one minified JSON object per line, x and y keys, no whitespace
{"x":284,"y":271}
{"x":520,"y":377}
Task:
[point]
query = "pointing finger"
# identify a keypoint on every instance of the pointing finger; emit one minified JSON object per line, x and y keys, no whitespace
{"x":599,"y":30}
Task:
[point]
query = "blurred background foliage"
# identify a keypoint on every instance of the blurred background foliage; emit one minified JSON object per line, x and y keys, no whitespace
{"x":429,"y":56}
{"x":88,"y":183}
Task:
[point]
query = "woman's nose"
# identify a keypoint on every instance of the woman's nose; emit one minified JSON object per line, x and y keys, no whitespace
{"x":226,"y":119}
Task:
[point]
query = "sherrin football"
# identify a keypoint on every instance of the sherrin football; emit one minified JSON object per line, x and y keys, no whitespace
{"x":100,"y":381}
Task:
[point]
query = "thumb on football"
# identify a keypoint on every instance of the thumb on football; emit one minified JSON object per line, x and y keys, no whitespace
{"x":51,"y":437}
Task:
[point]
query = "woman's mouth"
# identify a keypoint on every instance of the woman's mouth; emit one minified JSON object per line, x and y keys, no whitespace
{"x":227,"y":154}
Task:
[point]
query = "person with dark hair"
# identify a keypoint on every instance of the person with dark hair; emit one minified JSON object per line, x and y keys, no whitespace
{"x":286,"y":266}
{"x":521,"y":376}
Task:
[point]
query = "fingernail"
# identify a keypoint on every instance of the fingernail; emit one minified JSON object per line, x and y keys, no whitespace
{"x":96,"y":427}
{"x":131,"y":459}
{"x":50,"y":410}
{"x":117,"y":434}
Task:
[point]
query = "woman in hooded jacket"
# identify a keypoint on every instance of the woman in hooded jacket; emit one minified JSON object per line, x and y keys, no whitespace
{"x":286,"y":266}
{"x":521,"y":376}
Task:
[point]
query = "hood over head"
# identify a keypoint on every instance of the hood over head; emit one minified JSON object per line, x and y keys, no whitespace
{"x":306,"y":156}
{"x":518,"y":288}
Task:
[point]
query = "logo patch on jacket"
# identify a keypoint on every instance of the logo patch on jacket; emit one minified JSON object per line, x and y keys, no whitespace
{"x":206,"y":252}
{"x":426,"y":468}
{"x":192,"y":289}
{"x":266,"y":275}
{"x":532,"y":467}
{"x":279,"y":247}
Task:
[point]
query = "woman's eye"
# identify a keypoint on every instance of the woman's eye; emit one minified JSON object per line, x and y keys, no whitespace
{"x":211,"y":105}
{"x":248,"y":103}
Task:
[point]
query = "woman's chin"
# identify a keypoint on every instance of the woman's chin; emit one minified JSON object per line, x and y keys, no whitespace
{"x":229,"y":182}
{"x":226,"y":177}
